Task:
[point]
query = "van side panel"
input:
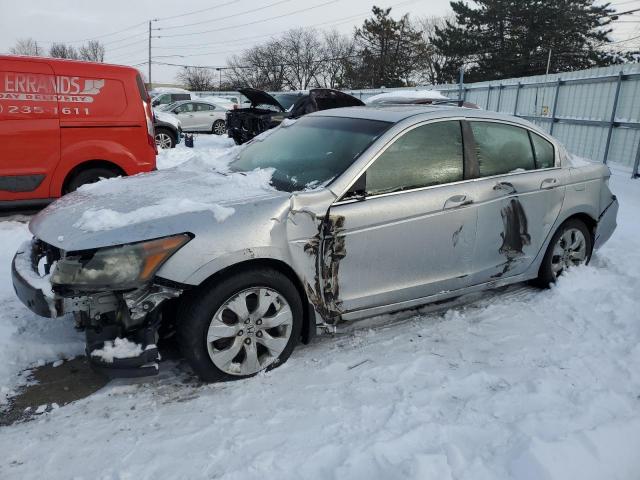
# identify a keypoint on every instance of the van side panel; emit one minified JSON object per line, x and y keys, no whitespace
{"x":108,"y":124}
{"x":29,"y":129}
{"x":56,"y":115}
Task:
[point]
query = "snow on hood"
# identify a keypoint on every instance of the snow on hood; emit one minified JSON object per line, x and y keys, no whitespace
{"x":122,"y":210}
{"x":167,"y":118}
{"x":407,"y":94}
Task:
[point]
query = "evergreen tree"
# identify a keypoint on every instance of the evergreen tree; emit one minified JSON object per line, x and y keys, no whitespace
{"x":389,"y":50}
{"x":511,"y":38}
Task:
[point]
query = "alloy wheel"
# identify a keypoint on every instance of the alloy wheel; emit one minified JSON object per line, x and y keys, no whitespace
{"x":219,"y":128}
{"x":249,"y":331}
{"x":163,"y":140}
{"x":570,"y":250}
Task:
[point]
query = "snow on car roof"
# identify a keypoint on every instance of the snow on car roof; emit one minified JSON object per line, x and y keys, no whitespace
{"x":407,"y":94}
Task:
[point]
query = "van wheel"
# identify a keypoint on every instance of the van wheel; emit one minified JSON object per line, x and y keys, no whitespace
{"x":164,"y":138}
{"x":219,"y":127}
{"x":570,"y":246}
{"x":236,"y":328}
{"x":91,"y":175}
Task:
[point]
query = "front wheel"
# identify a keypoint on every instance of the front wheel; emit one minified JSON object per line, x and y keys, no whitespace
{"x":219,"y":127}
{"x":240,"y":326}
{"x":164,"y":139}
{"x":570,"y":246}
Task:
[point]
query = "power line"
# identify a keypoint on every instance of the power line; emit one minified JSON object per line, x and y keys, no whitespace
{"x":337,"y":21}
{"x":98,"y":36}
{"x":194,"y":12}
{"x":250,"y":23}
{"x":225,"y":18}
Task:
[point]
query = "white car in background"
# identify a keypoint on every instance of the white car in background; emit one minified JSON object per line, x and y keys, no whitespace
{"x":199,"y":116}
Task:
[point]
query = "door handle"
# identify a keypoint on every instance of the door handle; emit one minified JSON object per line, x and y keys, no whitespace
{"x":456,"y":201}
{"x":505,"y":187}
{"x":548,"y":183}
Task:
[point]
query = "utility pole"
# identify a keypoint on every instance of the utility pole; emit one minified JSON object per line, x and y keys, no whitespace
{"x":548,"y":61}
{"x":461,"y":84}
{"x":150,"y":84}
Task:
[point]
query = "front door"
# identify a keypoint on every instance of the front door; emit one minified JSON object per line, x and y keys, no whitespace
{"x":519,"y":197}
{"x":413,"y":233}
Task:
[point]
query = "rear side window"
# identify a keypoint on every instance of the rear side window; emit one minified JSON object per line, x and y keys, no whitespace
{"x":142,"y":89}
{"x":427,"y":155}
{"x":502,"y":148}
{"x":543,"y":150}
{"x":203,"y":107}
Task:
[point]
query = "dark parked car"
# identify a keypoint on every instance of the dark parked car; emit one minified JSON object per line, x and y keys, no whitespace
{"x":267,"y":111}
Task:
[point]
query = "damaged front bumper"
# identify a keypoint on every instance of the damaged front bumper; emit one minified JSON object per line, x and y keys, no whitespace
{"x":104,"y":316}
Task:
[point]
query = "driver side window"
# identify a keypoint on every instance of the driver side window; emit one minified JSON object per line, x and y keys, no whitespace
{"x":428,"y":155}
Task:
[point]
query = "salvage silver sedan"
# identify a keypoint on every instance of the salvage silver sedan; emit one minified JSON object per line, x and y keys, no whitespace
{"x":367,"y":211}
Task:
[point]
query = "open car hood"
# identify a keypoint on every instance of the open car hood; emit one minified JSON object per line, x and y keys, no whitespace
{"x":323,"y":99}
{"x":260,"y":97}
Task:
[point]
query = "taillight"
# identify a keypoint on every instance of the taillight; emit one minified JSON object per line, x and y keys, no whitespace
{"x":148,"y":113}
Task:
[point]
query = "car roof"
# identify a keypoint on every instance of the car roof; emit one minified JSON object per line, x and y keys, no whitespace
{"x":397,"y":113}
{"x":182,"y":102}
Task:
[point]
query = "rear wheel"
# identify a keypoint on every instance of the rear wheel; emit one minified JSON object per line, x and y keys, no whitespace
{"x":164,"y":138}
{"x":90,"y":175}
{"x":240,"y":326}
{"x":219,"y":127}
{"x":570,"y":246}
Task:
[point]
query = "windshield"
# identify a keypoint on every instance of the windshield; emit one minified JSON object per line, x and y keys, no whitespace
{"x":310,"y":152}
{"x":287,"y":99}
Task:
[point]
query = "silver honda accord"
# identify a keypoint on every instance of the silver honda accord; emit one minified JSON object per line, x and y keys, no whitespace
{"x":367,"y":211}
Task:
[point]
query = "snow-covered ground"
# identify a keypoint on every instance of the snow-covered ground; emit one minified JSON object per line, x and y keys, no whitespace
{"x":522,"y":384}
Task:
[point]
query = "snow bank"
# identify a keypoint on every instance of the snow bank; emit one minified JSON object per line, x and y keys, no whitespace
{"x":26,"y":340}
{"x":206,"y":146}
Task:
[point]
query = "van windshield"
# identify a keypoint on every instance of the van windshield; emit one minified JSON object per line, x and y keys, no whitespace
{"x":310,"y":152}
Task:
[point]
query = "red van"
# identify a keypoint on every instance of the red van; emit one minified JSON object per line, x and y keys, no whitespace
{"x":64,"y":123}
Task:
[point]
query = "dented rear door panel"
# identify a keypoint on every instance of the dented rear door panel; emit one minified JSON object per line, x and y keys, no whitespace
{"x":516,"y":213}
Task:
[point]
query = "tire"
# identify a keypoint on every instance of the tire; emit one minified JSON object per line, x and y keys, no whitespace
{"x":218,"y":343}
{"x":560,"y":255}
{"x":219,"y":127}
{"x":165,"y":138}
{"x":90,"y":175}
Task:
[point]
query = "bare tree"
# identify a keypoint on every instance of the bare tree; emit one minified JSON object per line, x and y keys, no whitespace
{"x":303,"y":51}
{"x":92,"y":51}
{"x":61,"y":50}
{"x":338,"y":54}
{"x":434,"y":60}
{"x":27,"y":46}
{"x":260,"y":67}
{"x":198,"y":79}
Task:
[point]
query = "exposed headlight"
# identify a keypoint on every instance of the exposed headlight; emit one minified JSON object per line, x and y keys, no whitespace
{"x":121,"y":267}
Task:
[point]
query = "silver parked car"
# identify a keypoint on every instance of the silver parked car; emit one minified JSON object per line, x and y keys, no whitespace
{"x":374,"y":210}
{"x":199,"y":116}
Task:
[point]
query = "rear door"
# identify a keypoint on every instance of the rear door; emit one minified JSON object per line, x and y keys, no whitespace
{"x":204,"y":116}
{"x":413,"y":233}
{"x":519,"y":196}
{"x":186,"y":114}
{"x":29,"y":129}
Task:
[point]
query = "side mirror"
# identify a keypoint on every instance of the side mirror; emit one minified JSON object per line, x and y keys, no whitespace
{"x":357,"y":191}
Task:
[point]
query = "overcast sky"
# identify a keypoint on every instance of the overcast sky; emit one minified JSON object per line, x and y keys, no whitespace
{"x":206,"y":37}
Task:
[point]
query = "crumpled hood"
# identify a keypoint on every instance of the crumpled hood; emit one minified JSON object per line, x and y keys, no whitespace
{"x":125,"y":210}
